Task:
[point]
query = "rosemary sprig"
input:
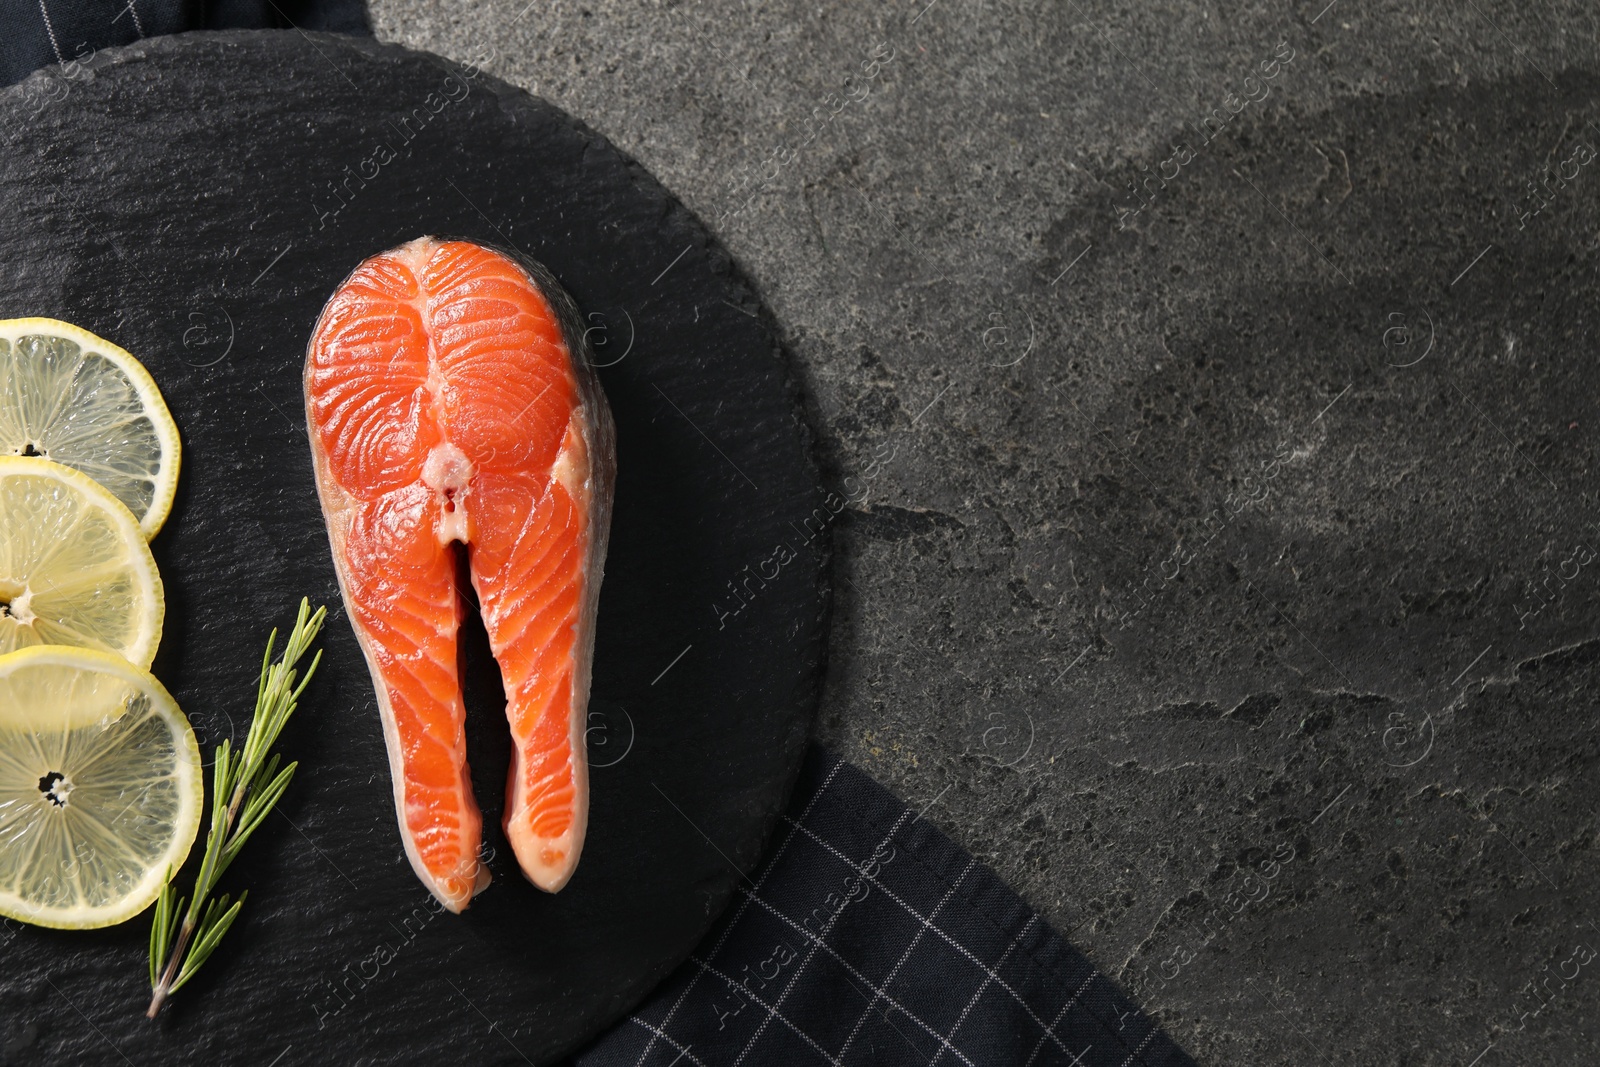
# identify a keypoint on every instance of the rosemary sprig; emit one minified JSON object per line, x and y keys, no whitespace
{"x":245,"y":786}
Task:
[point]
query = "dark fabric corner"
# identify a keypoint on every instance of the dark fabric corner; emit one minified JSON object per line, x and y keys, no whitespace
{"x":868,"y":937}
{"x":39,"y":33}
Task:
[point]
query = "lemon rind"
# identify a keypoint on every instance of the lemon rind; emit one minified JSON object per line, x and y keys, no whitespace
{"x":166,"y":486}
{"x":144,"y":893}
{"x":143,"y":653}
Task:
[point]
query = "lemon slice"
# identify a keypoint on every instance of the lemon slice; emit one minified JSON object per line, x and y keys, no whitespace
{"x":74,"y":568}
{"x":70,"y":396}
{"x":100,"y":788}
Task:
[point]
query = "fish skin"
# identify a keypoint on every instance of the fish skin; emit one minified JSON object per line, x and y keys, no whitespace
{"x":449,"y":399}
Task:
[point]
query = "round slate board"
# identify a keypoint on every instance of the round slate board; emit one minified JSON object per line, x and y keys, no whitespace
{"x":196,"y":199}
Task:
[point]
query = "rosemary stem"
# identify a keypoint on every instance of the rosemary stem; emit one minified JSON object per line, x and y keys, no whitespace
{"x":238,"y":776}
{"x":171,"y":973}
{"x":191,"y":917}
{"x":233,"y":809}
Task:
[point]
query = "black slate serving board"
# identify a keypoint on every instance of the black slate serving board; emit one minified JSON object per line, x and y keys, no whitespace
{"x":195,"y":199}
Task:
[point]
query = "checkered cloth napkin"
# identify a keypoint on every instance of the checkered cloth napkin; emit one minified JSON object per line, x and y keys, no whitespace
{"x":868,"y":937}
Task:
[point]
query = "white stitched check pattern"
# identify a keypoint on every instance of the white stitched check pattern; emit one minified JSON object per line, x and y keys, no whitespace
{"x":798,"y":971}
{"x":1062,"y":1014}
{"x":765,"y":872}
{"x":915,"y":941}
{"x":995,"y":977}
{"x":978,"y":994}
{"x":858,"y":976}
{"x":955,"y":967}
{"x":683,"y":1050}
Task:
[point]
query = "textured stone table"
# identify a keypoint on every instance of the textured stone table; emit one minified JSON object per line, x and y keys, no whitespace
{"x":1221,"y":562}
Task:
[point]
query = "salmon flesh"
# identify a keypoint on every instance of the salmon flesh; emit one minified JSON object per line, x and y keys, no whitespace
{"x":449,"y":401}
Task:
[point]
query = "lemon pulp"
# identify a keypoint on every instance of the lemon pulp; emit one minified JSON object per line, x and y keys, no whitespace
{"x":74,"y":567}
{"x":70,"y":396}
{"x":100,"y":787}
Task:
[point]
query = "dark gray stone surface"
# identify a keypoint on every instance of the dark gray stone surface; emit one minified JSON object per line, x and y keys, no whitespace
{"x":1170,"y":571}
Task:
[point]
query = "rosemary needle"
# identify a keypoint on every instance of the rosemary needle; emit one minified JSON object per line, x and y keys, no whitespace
{"x":245,"y":787}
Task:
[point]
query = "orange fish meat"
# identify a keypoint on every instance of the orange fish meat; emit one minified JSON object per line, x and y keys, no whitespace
{"x":448,"y":401}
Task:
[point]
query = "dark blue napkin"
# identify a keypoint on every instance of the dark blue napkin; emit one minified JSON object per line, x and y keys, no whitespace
{"x":868,"y":937}
{"x":36,"y":33}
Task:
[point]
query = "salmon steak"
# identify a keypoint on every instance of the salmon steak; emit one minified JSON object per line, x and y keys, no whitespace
{"x":452,"y":409}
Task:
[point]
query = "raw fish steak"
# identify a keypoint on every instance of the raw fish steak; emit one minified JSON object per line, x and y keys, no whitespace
{"x":450,"y":404}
